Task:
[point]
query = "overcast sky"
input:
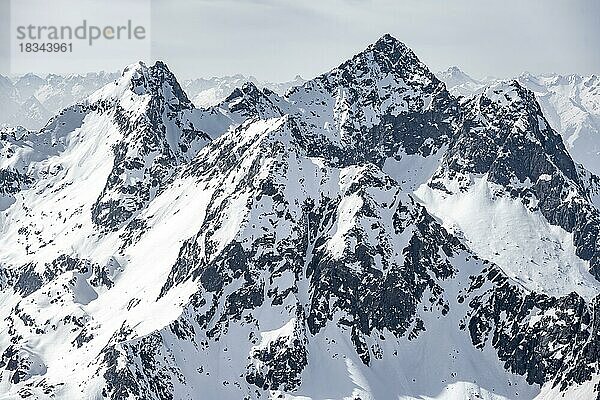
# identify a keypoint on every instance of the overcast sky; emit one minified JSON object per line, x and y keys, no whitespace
{"x":277,"y":39}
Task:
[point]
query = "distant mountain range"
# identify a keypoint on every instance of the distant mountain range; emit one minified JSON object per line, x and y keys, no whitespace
{"x":30,"y":101}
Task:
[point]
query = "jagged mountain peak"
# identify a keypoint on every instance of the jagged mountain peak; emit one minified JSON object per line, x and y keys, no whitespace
{"x":570,"y":103}
{"x":507,"y":150}
{"x":143,"y":123}
{"x":509,"y":107}
{"x":390,"y":45}
{"x":248,"y":89}
{"x":454,"y":76}
{"x":248,"y":101}
{"x":387,"y":56}
{"x":506,"y":135}
{"x":249,"y":96}
{"x":381,"y":103}
{"x":454,"y":70}
{"x":140,"y":81}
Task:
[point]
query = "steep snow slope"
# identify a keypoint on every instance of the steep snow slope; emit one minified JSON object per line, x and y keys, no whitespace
{"x":272,"y":246}
{"x":270,"y":285}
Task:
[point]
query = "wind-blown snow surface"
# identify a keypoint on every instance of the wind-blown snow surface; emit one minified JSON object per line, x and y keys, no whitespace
{"x":524,"y":244}
{"x":306,"y":246}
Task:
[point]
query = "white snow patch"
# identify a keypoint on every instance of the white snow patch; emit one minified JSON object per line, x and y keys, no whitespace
{"x":346,"y":212}
{"x":530,"y":250}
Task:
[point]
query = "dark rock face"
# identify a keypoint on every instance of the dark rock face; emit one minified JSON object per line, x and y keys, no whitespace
{"x":279,"y":364}
{"x":13,"y":361}
{"x":12,"y":181}
{"x":371,"y":298}
{"x":27,"y":280}
{"x":544,"y":338}
{"x":363,"y":293}
{"x":143,"y":376}
{"x":250,"y":102}
{"x":508,"y":118}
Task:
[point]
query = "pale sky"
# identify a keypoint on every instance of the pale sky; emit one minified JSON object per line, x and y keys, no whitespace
{"x":278,"y":39}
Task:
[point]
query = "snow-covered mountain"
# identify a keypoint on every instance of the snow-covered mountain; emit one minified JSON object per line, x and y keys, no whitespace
{"x":364,"y":236}
{"x":570,"y":103}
